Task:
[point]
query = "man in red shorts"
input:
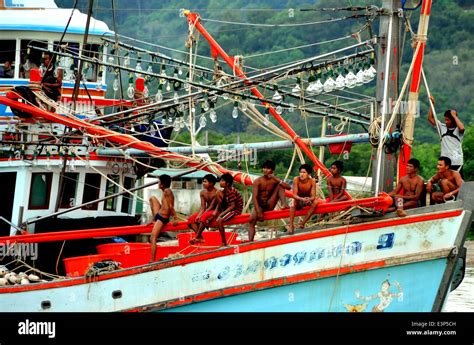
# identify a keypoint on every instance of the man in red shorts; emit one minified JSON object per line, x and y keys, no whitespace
{"x":198,"y":221}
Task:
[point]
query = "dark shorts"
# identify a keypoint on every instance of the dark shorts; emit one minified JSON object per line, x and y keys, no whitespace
{"x":161,"y":218}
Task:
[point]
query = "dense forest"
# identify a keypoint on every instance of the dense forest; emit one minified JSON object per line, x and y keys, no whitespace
{"x":448,"y":63}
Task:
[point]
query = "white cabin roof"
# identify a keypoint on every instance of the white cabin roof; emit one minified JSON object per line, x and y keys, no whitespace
{"x":47,"y":17}
{"x":30,"y":4}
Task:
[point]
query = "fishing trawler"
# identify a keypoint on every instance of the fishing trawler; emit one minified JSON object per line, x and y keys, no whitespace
{"x":371,"y":261}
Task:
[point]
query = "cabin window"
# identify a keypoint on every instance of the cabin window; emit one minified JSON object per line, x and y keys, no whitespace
{"x":127,"y":199}
{"x":68,"y":194}
{"x":7,"y":58}
{"x":91,"y":190}
{"x":90,"y":70}
{"x":112,"y":188}
{"x":40,"y":191}
{"x":8,"y":197}
{"x":66,"y":63}
{"x":31,"y":57}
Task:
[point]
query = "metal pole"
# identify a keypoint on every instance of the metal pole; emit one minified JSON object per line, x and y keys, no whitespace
{"x":387,"y":90}
{"x":79,"y":69}
{"x":262,"y":146}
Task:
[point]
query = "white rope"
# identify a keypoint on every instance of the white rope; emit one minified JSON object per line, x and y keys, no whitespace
{"x":275,"y":25}
{"x":431,"y":103}
{"x":298,"y":47}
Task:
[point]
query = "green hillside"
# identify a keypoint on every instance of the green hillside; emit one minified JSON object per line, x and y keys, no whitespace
{"x":448,"y":61}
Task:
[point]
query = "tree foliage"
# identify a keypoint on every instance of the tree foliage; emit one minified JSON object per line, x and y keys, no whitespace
{"x":448,"y":63}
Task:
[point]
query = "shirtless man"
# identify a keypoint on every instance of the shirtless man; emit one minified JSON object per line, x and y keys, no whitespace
{"x":412,"y":184}
{"x":337,"y":183}
{"x":266,"y":192}
{"x":162,"y":211}
{"x":198,"y":221}
{"x":448,"y":180}
{"x":304,"y":194}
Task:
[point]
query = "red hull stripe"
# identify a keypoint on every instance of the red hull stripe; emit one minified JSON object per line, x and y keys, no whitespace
{"x":380,"y":202}
{"x":242,"y":249}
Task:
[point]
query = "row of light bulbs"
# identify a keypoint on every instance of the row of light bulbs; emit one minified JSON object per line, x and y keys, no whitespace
{"x":349,"y":80}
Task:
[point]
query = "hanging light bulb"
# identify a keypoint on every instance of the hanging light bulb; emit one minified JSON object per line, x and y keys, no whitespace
{"x":311,"y":83}
{"x":329,"y":85}
{"x":359,"y":76}
{"x":150,"y":68}
{"x":181,"y":123}
{"x":116,"y":84}
{"x":225,"y":96}
{"x":205,"y":104}
{"x":170,"y":119}
{"x":340,"y":81}
{"x":291,"y":109}
{"x":243,"y":106}
{"x":297,"y":88}
{"x":139,"y":68}
{"x":202,"y":121}
{"x":180,"y":71}
{"x":276,"y":96}
{"x":126,"y":61}
{"x":318,"y":87}
{"x":279,"y":109}
{"x":175,"y":73}
{"x":163,"y":73}
{"x":235,"y":111}
{"x":373,"y":71}
{"x":175,"y":97}
{"x":266,"y":121}
{"x":370,"y":71}
{"x":159,"y":94}
{"x":351,"y":79}
{"x":130,"y":90}
{"x":168,"y":87}
{"x":212,"y":113}
{"x":213,"y":116}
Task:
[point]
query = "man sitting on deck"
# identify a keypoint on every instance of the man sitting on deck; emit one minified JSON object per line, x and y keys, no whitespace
{"x":337,"y":183}
{"x":199,"y":220}
{"x":412,"y":184}
{"x":230,"y":202}
{"x":162,"y":211}
{"x":448,"y":180}
{"x":266,"y":192}
{"x":304,"y":194}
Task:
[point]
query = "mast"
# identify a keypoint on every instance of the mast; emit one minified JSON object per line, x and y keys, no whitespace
{"x":216,"y":49}
{"x":388,"y":60}
{"x":414,"y":87}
